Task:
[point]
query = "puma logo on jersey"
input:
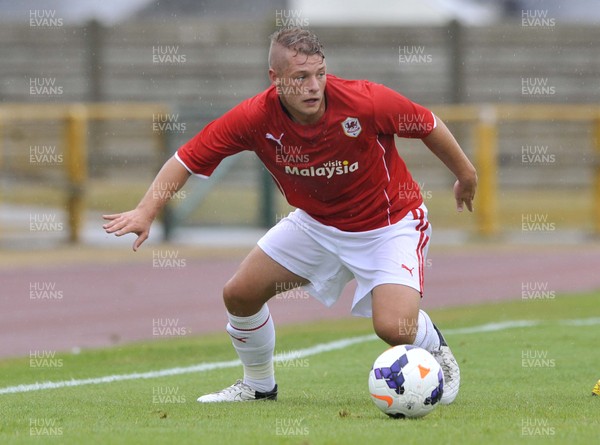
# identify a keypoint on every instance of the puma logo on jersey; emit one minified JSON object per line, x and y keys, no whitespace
{"x":404,"y":266}
{"x":273,"y":138}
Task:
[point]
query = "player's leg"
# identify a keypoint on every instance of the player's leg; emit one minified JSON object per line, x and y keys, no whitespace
{"x":289,"y":254}
{"x":251,"y":326}
{"x":258,"y":278}
{"x":389,"y":267}
{"x":397,"y":320}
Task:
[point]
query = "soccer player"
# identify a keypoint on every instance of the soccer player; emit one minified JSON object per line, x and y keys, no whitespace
{"x":359,"y":212}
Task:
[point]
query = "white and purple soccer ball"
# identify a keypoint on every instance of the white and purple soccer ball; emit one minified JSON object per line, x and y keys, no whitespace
{"x":406,"y":381}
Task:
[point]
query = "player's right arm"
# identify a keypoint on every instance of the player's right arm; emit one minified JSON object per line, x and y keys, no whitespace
{"x":222,"y":137}
{"x":171,"y":177}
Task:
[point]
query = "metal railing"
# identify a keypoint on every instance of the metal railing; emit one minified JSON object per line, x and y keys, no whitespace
{"x":484,"y":119}
{"x":75,"y":118}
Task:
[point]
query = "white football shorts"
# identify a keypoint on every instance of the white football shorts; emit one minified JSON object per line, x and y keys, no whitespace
{"x":329,"y":258}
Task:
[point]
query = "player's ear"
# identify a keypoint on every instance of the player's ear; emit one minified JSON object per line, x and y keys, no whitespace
{"x":273,"y":76}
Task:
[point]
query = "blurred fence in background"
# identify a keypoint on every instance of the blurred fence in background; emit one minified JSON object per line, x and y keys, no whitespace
{"x":67,"y":170}
{"x":211,"y":63}
{"x":197,"y":70}
{"x":57,"y":157}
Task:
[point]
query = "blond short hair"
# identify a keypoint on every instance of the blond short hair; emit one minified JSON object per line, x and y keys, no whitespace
{"x":297,"y":39}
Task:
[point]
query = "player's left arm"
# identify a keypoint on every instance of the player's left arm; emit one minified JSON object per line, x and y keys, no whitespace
{"x":442,"y":144}
{"x":395,"y":114}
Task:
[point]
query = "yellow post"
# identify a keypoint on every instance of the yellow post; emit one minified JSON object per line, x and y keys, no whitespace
{"x":486,"y":140}
{"x":596,"y":183}
{"x":76,"y":160}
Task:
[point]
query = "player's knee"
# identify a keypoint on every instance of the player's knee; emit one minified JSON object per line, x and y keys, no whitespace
{"x":241,"y":299}
{"x":233,"y":296}
{"x":394,"y":335}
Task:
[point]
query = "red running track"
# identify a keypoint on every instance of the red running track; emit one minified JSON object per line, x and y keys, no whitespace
{"x":95,"y":305}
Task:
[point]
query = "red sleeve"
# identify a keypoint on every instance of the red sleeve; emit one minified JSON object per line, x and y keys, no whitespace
{"x":222,"y":137}
{"x":395,"y":114}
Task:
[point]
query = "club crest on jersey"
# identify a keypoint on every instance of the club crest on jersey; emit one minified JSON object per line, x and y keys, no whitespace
{"x":351,"y":127}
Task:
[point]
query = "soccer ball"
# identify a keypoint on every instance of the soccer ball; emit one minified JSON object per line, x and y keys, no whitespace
{"x":406,"y":381}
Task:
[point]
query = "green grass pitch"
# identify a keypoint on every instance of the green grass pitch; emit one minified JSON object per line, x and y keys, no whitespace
{"x":519,"y":385}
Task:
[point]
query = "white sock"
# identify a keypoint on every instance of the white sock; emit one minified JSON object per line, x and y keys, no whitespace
{"x":253,"y":338}
{"x":427,"y":337}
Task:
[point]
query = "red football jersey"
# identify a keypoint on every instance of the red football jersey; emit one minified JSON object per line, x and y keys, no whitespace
{"x":344,"y":170}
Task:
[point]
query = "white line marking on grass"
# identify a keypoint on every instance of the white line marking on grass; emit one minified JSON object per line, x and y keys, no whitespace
{"x":300,"y":353}
{"x":491,"y":327}
{"x":581,"y":322}
{"x":120,"y":377}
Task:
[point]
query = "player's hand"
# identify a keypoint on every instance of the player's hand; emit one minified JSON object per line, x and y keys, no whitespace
{"x":134,"y":221}
{"x":464,"y":193}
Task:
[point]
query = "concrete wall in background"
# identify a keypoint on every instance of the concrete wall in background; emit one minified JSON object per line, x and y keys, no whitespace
{"x":202,"y":68}
{"x":220,"y":63}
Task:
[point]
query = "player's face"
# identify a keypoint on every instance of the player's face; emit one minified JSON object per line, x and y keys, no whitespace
{"x":300,"y":85}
